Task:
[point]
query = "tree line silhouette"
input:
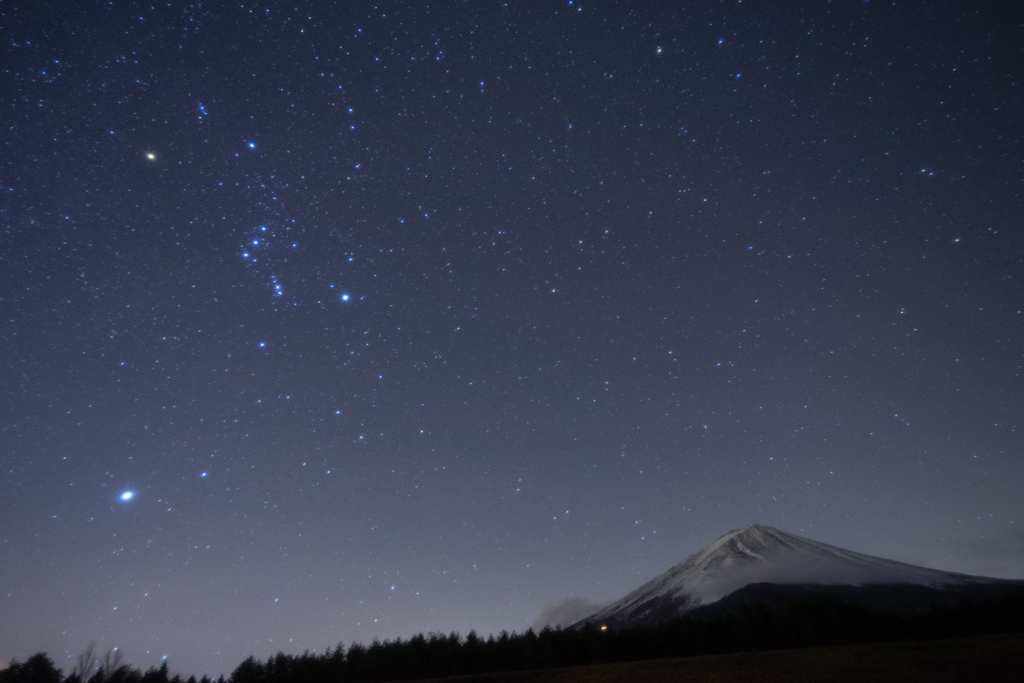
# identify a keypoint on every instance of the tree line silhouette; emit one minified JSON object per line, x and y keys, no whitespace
{"x":796,"y":623}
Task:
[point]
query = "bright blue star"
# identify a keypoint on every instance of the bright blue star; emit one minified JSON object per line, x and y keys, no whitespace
{"x":127,"y":495}
{"x":345,"y":297}
{"x":252,"y":145}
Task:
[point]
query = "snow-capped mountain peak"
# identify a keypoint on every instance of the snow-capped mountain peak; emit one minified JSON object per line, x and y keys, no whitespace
{"x":763,"y":554}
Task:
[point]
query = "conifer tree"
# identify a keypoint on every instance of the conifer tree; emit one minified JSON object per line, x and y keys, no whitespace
{"x":38,"y":668}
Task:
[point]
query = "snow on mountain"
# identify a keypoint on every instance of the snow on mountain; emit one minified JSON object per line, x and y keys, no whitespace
{"x":762,"y":554}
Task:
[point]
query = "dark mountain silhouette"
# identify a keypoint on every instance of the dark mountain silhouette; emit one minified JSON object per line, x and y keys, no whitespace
{"x":762,"y":565}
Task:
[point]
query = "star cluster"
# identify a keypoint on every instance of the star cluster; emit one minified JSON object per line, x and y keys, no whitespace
{"x":333,"y":321}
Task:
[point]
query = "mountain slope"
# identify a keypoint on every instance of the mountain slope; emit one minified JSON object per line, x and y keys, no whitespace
{"x":763,"y":555}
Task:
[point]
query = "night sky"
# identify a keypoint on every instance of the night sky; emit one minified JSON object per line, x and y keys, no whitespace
{"x":322,"y":324}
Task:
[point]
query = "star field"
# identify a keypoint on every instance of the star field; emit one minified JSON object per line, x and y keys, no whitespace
{"x":323,"y":323}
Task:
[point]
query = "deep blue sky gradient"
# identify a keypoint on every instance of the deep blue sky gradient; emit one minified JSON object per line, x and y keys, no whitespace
{"x":426,"y":316}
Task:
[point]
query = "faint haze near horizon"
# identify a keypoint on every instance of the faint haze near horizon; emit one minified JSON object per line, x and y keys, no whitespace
{"x":429,"y":317}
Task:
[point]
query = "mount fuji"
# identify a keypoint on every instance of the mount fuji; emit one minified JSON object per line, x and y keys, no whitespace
{"x":760,"y":564}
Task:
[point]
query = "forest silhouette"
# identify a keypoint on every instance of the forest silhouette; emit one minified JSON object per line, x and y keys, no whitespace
{"x":789,"y":624}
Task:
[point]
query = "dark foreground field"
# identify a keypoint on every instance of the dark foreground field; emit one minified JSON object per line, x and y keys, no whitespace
{"x":986,"y":658}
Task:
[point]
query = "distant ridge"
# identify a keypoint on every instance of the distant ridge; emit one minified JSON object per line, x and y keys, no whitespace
{"x":765,"y":559}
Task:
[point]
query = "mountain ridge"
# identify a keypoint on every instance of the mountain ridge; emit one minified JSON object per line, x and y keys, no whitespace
{"x":759,"y":554}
